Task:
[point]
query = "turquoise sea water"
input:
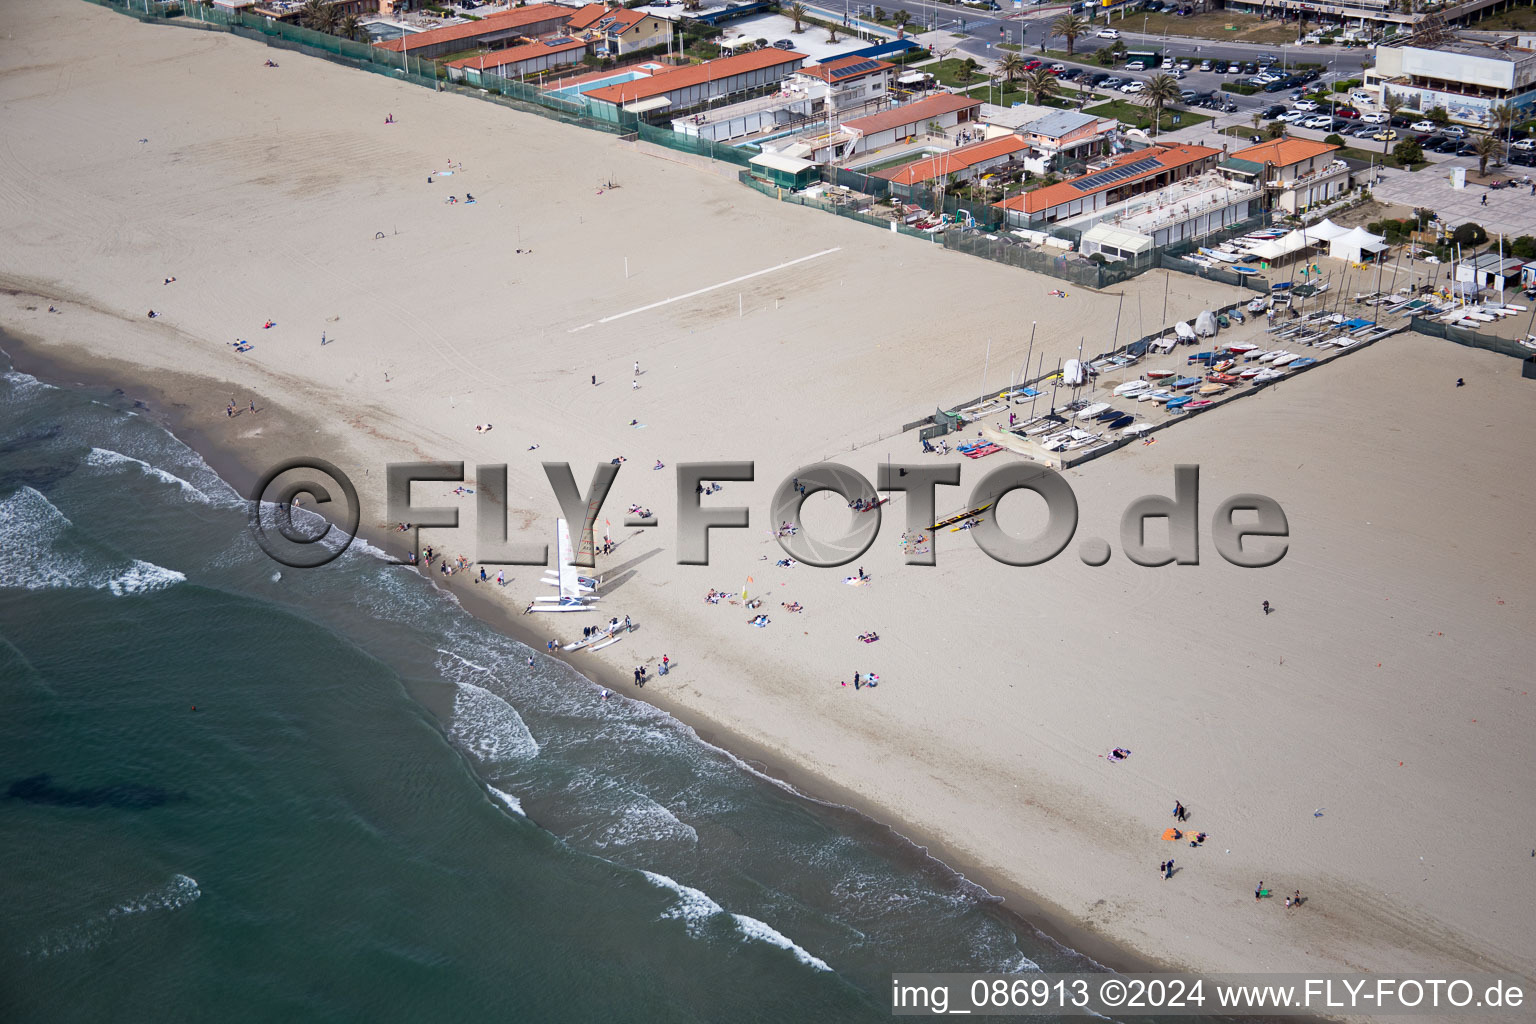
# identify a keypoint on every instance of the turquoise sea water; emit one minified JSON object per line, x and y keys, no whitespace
{"x":316,"y":843}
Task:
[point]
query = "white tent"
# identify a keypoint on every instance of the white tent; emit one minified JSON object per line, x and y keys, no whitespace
{"x":1325,"y":231}
{"x":1352,"y":246}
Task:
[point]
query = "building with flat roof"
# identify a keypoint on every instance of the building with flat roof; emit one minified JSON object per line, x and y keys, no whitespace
{"x":1298,"y":173}
{"x":897,"y":124}
{"x":1467,"y":79}
{"x":670,"y":91}
{"x":1109,"y":182}
{"x":1188,"y":209}
{"x":1363,"y":15}
{"x":494,"y":30}
{"x":1062,"y":135}
{"x":843,"y":83}
{"x":966,"y":163}
{"x":517,"y":61}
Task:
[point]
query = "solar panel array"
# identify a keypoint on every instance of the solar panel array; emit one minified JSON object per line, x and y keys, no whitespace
{"x":855,"y":69}
{"x":1130,"y":170}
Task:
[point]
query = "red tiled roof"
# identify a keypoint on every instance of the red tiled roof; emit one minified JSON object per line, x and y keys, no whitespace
{"x":587,"y":17}
{"x":912,"y":113}
{"x":1283,"y":152}
{"x":514,"y":54}
{"x":674,"y":79}
{"x":530,"y":15}
{"x":956,"y":160}
{"x":1169,"y":155}
{"x":835,"y":70}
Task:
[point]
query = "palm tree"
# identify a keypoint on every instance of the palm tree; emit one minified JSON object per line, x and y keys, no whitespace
{"x":313,"y":14}
{"x":1503,"y":116}
{"x":1012,"y":66}
{"x":1040,"y":83}
{"x":797,"y":12}
{"x":1487,"y":146}
{"x":1391,"y":103}
{"x":351,"y":27}
{"x":1162,"y":90}
{"x":1258,"y":115}
{"x":965,"y":72}
{"x":1070,"y":26}
{"x":901,"y":18}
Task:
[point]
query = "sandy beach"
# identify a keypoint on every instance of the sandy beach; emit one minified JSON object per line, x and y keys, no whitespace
{"x":1367,"y":743}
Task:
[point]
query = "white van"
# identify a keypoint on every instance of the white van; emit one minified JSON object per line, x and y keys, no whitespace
{"x":1109,"y":33}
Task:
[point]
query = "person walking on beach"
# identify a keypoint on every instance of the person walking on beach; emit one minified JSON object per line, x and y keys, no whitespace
{"x":253,"y":405}
{"x":1162,"y":868}
{"x":322,"y":339}
{"x":1178,"y":811}
{"x":634,"y":385}
{"x":637,"y":367}
{"x":1267,"y":608}
{"x":1168,"y":869}
{"x":1258,"y":892}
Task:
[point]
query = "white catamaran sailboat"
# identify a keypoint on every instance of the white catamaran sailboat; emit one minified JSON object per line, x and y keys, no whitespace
{"x":576,"y":592}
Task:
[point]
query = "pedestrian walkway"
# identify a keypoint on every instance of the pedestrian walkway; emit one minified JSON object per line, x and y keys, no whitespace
{"x":1510,"y":210}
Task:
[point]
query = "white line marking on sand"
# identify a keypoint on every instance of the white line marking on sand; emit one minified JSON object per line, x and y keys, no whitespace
{"x":722,"y":284}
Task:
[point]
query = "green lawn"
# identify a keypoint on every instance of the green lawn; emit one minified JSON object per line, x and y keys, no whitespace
{"x":948,"y":72}
{"x":1137,"y":115}
{"x":1518,"y":18}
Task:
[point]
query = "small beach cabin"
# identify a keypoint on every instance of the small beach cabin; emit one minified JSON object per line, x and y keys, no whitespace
{"x":787,"y":172}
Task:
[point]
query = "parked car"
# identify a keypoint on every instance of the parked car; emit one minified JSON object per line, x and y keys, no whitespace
{"x":1455,"y":131}
{"x":1272,"y":111}
{"x":1189,"y":95}
{"x":1279,"y":86}
{"x":1524,"y":144}
{"x":1306,"y":105}
{"x":1134,"y":87}
{"x":1349,"y":112}
{"x":1108,"y":33}
{"x":1136,"y":65}
{"x":1523,"y":157}
{"x":784,"y":44}
{"x":1177,"y":73}
{"x":1423,"y":126}
{"x":1361,"y":97}
{"x":1112,"y":83}
{"x":1267,"y":58}
{"x":1071,"y":74}
{"x":1294,"y":116}
{"x":1376,"y":117}
{"x":1220,"y":67}
{"x":1205,"y":65}
{"x":1320,"y":122}
{"x":1364,"y":131}
{"x":1385,"y":135}
{"x":1185,"y":64}
{"x":1033,"y":63}
{"x":1098,"y":78}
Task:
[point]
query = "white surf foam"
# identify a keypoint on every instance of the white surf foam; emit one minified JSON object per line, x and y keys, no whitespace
{"x":142,"y":577}
{"x":181,"y":891}
{"x":106,"y":458}
{"x":693,"y":906}
{"x":645,"y":820}
{"x":752,"y":928}
{"x":87,"y":935}
{"x":511,"y":802}
{"x":489,"y":727}
{"x":31,"y":528}
{"x":24,"y":382}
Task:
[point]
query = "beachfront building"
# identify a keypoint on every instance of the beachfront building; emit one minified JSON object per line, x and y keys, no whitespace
{"x":895,"y":126}
{"x":1298,"y":173}
{"x":1061,"y":136}
{"x":843,"y":84}
{"x":615,"y":31}
{"x":967,"y":163}
{"x":778,"y":112}
{"x":1467,"y":79}
{"x":492,"y":32}
{"x":1189,"y":209}
{"x":1358,"y":19}
{"x":518,"y":61}
{"x":1109,"y":182}
{"x":658,"y":97}
{"x":786,"y":172}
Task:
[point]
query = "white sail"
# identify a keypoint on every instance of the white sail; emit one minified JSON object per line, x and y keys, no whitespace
{"x":573,"y":596}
